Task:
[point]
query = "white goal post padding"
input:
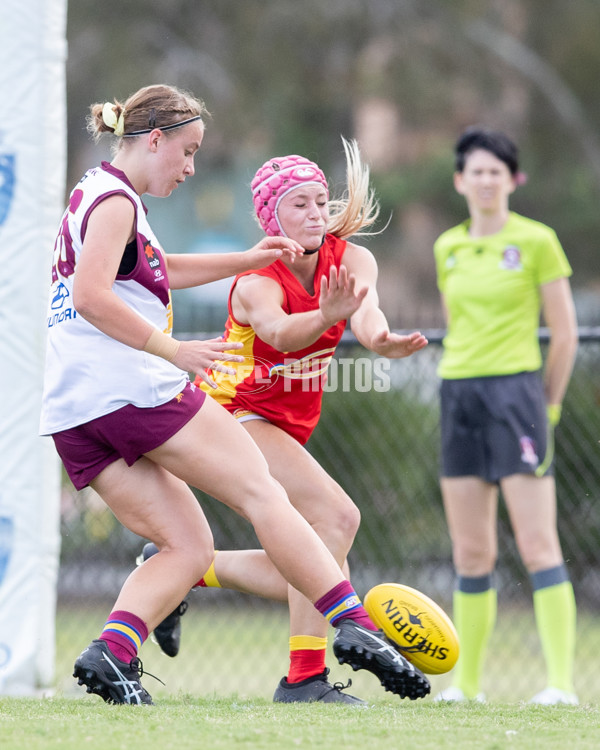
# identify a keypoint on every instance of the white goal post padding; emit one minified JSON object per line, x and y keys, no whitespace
{"x":32,"y":193}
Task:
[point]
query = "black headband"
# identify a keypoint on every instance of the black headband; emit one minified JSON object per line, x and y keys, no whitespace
{"x":166,"y":127}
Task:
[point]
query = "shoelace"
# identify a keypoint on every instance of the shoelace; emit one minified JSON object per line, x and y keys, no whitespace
{"x":339,"y":686}
{"x":138,"y":667}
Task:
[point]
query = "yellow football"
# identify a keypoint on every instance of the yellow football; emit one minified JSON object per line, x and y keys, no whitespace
{"x":420,"y":628}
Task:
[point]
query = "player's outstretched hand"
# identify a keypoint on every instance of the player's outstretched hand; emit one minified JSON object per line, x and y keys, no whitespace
{"x":395,"y":345}
{"x":212,"y":354}
{"x":339,"y":298}
{"x":270,"y":249}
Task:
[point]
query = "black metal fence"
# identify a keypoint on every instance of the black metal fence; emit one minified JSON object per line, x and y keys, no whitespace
{"x":378,"y":436}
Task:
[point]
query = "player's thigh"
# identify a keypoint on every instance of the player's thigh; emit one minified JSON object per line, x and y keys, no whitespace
{"x":215,"y":454}
{"x":312,"y":491}
{"x":531,"y":504}
{"x":152,"y":503}
{"x":471,"y":507}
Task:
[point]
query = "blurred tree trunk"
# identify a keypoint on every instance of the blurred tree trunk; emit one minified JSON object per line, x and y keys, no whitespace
{"x":545,"y":77}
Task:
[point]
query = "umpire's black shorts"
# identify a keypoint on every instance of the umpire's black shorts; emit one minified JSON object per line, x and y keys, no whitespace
{"x":494,"y":427}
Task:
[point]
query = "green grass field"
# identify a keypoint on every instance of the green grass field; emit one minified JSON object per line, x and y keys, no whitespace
{"x":244,"y":651}
{"x":182,"y":722}
{"x":218,"y":696}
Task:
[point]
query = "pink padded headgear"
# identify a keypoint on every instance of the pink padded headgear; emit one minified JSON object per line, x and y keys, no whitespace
{"x":275,"y":179}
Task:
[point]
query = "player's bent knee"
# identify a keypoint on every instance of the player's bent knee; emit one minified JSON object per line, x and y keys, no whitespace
{"x":338,"y":529}
{"x":340,"y":512}
{"x":348,"y":521}
{"x":197,"y":561}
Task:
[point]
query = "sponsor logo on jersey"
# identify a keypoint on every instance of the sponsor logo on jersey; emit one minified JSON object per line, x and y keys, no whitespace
{"x":60,"y":309}
{"x":59,"y":295}
{"x":154,"y":260}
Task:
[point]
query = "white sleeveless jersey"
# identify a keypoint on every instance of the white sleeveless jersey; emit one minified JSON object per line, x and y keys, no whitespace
{"x":87,"y":373}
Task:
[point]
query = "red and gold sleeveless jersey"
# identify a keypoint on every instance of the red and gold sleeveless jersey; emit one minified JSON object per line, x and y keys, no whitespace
{"x":284,"y":387}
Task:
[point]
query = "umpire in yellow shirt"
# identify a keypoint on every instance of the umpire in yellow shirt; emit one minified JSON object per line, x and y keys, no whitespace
{"x":497,"y":271}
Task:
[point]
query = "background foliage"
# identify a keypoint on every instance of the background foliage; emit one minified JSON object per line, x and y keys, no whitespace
{"x":403,"y":77}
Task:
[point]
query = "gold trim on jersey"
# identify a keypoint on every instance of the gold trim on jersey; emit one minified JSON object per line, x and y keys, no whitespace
{"x":305,"y":368}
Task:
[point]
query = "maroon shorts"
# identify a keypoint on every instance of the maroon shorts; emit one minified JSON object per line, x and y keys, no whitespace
{"x":127,"y":433}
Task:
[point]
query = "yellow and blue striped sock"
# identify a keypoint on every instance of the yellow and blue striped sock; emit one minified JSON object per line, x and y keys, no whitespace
{"x":342,"y":602}
{"x":124,"y":633}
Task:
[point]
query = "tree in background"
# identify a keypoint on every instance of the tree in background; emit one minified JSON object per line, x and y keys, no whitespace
{"x":402,"y":77}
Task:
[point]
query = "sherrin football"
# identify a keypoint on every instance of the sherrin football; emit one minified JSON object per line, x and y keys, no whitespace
{"x":419,"y":627}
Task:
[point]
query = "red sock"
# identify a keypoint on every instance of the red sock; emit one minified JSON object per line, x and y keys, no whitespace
{"x":306,"y":663}
{"x":342,"y":603}
{"x":124,"y":633}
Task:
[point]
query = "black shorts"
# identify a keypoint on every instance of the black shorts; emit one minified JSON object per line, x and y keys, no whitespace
{"x":494,"y":427}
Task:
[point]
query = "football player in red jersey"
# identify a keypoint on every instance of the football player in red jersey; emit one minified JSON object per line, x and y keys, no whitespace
{"x":289,"y":318}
